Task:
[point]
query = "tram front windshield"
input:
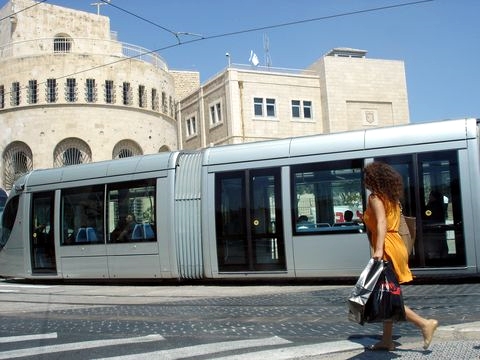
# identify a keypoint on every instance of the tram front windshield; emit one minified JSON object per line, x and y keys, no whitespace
{"x":8,"y":220}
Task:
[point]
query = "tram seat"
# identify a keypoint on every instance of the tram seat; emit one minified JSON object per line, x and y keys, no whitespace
{"x":86,"y":235}
{"x":91,"y":234}
{"x":142,"y":231}
{"x":137,"y":233}
{"x":346,"y":223}
{"x":149,"y":234}
{"x":81,"y":235}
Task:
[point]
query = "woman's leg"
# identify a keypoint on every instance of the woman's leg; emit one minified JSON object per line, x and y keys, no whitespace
{"x":427,"y":326}
{"x":387,"y":338}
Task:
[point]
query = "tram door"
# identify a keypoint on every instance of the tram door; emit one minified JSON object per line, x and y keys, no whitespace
{"x":432,"y":195}
{"x":249,"y":221}
{"x":42,"y":246}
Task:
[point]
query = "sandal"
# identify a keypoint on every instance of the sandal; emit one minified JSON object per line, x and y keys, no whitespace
{"x":380,"y":346}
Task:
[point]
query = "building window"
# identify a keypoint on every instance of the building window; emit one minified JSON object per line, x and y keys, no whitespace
{"x":109,"y":92}
{"x":301,"y":109}
{"x":15,"y":94}
{"x":216,"y":113}
{"x":154,"y":100}
{"x":307,"y":109}
{"x":126,"y":148}
{"x":17,"y":161}
{"x":164,"y":102}
{"x":71,"y":90}
{"x":271,"y":109}
{"x":191,"y":126}
{"x":62,"y":44}
{"x":2,"y":97}
{"x":90,"y":91}
{"x":71,"y":151}
{"x":51,"y":90}
{"x":264,"y":107}
{"x":258,"y":106}
{"x":127,"y":94}
{"x":32,"y":92}
{"x":142,"y":96}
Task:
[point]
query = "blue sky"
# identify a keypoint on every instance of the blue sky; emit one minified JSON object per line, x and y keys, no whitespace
{"x":438,"y":40}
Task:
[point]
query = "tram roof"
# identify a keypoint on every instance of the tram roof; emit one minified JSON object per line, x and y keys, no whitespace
{"x":369,"y":139}
{"x":111,"y":168}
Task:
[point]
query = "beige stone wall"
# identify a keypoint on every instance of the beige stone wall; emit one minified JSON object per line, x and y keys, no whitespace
{"x":55,"y":20}
{"x":235,"y":89}
{"x":101,"y":127}
{"x":346,"y":93}
{"x":362,"y":92}
{"x":186,"y":82}
{"x":28,"y":54}
{"x":284,"y":88}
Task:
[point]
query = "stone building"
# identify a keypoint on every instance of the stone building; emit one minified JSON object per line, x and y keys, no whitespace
{"x":70,"y":92}
{"x":344,"y":90}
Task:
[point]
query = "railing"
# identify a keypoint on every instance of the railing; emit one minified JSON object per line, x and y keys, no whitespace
{"x":62,"y":45}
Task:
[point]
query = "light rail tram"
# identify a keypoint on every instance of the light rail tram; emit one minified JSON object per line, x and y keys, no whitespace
{"x":285,"y":209}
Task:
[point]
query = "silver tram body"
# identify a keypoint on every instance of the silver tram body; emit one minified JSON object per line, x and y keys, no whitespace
{"x":233,"y":212}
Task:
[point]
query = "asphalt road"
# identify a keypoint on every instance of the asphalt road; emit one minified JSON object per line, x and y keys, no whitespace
{"x":205,"y":322}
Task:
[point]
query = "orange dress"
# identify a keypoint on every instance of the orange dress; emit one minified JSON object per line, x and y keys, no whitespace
{"x":394,"y":248}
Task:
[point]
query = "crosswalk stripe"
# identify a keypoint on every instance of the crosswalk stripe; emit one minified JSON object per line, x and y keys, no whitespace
{"x":27,"y":286}
{"x":41,"y":350}
{"x":9,"y":339}
{"x":295,"y":352}
{"x":205,"y":349}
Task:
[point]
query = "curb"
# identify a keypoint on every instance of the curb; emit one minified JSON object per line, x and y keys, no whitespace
{"x":466,"y":331}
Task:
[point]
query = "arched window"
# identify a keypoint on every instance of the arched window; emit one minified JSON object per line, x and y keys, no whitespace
{"x":62,"y":43}
{"x":71,"y":151}
{"x":164,"y":148}
{"x":126,"y":148}
{"x":17,"y":161}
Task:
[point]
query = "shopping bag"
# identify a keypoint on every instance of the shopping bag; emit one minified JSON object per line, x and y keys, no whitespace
{"x":363,"y":289}
{"x":407,"y":231}
{"x":386,"y":300}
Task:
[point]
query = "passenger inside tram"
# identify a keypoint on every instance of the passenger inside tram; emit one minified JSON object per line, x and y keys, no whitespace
{"x":303,"y":223}
{"x":123,"y":231}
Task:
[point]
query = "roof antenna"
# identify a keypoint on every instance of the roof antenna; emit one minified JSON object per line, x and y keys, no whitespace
{"x":266,"y":48}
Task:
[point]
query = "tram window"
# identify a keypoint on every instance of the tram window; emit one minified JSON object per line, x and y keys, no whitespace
{"x":131,"y":212}
{"x":82,"y":215}
{"x":327,"y":197}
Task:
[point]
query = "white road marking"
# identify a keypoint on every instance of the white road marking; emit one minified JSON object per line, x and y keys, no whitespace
{"x":295,"y":352}
{"x":205,"y":349}
{"x":50,"y":349}
{"x":9,"y":339}
{"x":28,"y":286}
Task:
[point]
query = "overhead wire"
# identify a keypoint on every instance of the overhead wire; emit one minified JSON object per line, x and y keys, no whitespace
{"x":202,"y":38}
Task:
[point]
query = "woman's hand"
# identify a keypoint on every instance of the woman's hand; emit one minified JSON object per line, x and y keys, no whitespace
{"x":378,"y":255}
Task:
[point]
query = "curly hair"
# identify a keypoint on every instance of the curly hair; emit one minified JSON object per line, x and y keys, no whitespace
{"x":383,"y":180}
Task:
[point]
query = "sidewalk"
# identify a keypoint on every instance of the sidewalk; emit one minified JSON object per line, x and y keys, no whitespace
{"x":450,"y":342}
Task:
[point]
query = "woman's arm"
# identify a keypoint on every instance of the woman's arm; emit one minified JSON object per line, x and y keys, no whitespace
{"x":379,"y":211}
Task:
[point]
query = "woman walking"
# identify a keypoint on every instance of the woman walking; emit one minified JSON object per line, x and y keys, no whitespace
{"x":382,"y":218}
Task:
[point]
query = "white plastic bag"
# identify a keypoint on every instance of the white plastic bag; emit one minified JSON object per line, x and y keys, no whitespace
{"x":363,"y":289}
